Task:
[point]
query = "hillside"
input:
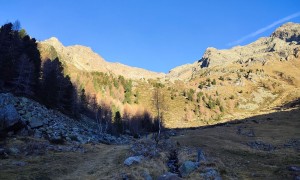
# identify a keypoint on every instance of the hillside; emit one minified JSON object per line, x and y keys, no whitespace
{"x":282,"y":45}
{"x":223,"y":84}
{"x":66,"y":113}
{"x":84,"y":59}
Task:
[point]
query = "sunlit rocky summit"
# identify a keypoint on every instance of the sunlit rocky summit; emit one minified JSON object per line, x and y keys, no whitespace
{"x":282,"y":45}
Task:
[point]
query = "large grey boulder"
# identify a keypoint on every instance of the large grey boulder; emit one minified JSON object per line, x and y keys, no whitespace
{"x":133,"y":159}
{"x":9,"y":119}
{"x":9,"y":115}
{"x":6,"y":98}
{"x":187,"y":167}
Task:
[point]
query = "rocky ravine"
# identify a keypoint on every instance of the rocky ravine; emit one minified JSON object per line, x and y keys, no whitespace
{"x":22,"y":116}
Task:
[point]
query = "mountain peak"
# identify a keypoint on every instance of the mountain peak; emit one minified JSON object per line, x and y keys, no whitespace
{"x":54,"y":42}
{"x":288,"y":32}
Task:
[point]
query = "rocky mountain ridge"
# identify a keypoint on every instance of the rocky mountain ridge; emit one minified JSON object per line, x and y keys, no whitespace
{"x":283,"y":44}
{"x":85,"y":59}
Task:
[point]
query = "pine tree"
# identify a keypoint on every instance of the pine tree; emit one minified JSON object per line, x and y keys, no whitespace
{"x":24,"y":81}
{"x":118,"y":122}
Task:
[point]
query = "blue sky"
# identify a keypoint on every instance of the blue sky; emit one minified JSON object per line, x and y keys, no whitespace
{"x":153,"y":34}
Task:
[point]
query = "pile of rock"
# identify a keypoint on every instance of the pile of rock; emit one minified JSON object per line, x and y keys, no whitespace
{"x":29,"y":118}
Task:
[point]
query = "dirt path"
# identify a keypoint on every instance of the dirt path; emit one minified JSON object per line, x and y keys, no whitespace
{"x":105,"y":163}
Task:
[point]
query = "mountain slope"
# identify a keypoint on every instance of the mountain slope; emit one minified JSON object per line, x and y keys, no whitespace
{"x":85,"y":59}
{"x":282,"y":45}
{"x":223,"y":84}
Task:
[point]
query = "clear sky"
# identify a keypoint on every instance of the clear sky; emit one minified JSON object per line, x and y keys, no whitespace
{"x":153,"y":34}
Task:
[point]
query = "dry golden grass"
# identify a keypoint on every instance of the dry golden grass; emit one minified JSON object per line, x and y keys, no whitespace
{"x":231,"y":155}
{"x":225,"y":150}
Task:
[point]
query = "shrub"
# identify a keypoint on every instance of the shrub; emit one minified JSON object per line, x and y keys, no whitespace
{"x":214,"y":82}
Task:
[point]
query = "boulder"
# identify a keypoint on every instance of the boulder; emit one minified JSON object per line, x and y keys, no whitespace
{"x":200,"y":156}
{"x":9,"y":120}
{"x":147,"y":176}
{"x":294,"y":168}
{"x":9,"y":115}
{"x":6,"y":98}
{"x":187,"y":167}
{"x":133,"y":159}
{"x":210,"y":173}
{"x":169,"y":176}
{"x":19,"y":163}
{"x":35,"y":123}
{"x":14,"y":151}
{"x":56,"y":139}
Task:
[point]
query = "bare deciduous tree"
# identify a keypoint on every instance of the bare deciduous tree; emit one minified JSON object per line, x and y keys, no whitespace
{"x":159,"y":105}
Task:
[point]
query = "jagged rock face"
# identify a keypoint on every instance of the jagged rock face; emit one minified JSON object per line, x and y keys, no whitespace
{"x":283,"y":44}
{"x":83,"y":58}
{"x":288,"y":32}
{"x":182,"y":72}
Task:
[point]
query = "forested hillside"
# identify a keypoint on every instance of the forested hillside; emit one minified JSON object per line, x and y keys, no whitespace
{"x":25,"y":73}
{"x":222,"y":85}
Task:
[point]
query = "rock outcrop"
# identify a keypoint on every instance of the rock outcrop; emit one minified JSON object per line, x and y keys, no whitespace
{"x":288,"y":32}
{"x":283,"y":44}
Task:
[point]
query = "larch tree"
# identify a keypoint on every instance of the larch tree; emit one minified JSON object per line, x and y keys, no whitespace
{"x":159,"y":104}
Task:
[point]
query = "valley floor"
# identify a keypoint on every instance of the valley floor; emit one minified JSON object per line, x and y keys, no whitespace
{"x":260,"y":147}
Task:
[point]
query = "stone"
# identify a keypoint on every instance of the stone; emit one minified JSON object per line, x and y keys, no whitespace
{"x":200,"y":156}
{"x":6,"y":98}
{"x":3,"y":153}
{"x":147,"y":176}
{"x":23,"y":132}
{"x":56,"y":139}
{"x":169,"y":176}
{"x":259,"y":145}
{"x":21,"y":112}
{"x":81,"y":139}
{"x":14,"y":151}
{"x":187,"y":167}
{"x":294,"y":168}
{"x":45,"y":121}
{"x":38,"y":134}
{"x":35,"y":123}
{"x":19,"y":163}
{"x":133,"y":160}
{"x":210,"y":173}
{"x":9,"y":116}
